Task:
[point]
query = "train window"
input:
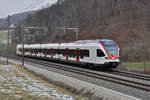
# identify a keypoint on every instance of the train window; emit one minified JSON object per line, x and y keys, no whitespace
{"x":55,"y":51}
{"x":62,"y":51}
{"x":48,"y":51}
{"x":30,"y":51}
{"x":25,"y":50}
{"x":100,"y":53}
{"x":20,"y":50}
{"x":39,"y":50}
{"x":84,"y":53}
{"x":33,"y":50}
{"x":74,"y":56}
{"x":42,"y":51}
{"x":72,"y":53}
{"x":77,"y":52}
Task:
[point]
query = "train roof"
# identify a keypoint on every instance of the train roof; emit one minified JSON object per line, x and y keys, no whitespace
{"x":79,"y":42}
{"x":92,"y":41}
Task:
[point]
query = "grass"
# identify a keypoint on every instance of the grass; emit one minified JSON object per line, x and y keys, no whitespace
{"x":3,"y":35}
{"x":3,"y":62}
{"x":3,"y":45}
{"x":3,"y":38}
{"x":6,"y":96}
{"x":135,"y":64}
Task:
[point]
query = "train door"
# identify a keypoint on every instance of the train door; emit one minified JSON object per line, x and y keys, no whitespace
{"x":35,"y":52}
{"x":92,"y":53}
{"x":77,"y":55}
{"x":67,"y":54}
{"x":100,"y":56}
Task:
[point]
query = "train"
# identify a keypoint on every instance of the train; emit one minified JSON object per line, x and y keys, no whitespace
{"x":100,"y":53}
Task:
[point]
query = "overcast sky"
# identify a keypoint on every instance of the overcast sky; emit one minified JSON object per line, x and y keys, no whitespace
{"x":16,"y":6}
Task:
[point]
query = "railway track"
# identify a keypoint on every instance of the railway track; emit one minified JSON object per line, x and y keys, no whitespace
{"x":131,"y":74}
{"x":89,"y":73}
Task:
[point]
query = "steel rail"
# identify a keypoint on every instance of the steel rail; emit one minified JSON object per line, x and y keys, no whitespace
{"x":132,"y":75}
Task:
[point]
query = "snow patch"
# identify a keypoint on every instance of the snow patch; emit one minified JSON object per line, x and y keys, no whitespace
{"x":13,"y":80}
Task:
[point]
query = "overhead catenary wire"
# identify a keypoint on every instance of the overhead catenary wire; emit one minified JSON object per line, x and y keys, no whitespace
{"x":35,"y":5}
{"x":29,"y":7}
{"x":35,"y":2}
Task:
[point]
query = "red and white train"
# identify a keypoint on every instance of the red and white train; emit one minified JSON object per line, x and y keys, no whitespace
{"x":97,"y":53}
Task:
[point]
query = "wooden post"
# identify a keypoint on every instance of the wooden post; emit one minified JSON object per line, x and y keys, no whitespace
{"x":8,"y":41}
{"x":22,"y":45}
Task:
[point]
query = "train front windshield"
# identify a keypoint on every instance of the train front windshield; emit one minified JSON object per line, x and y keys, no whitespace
{"x":110,"y":46}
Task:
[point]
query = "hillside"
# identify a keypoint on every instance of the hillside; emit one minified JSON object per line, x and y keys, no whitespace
{"x":125,"y":21}
{"x":15,"y":19}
